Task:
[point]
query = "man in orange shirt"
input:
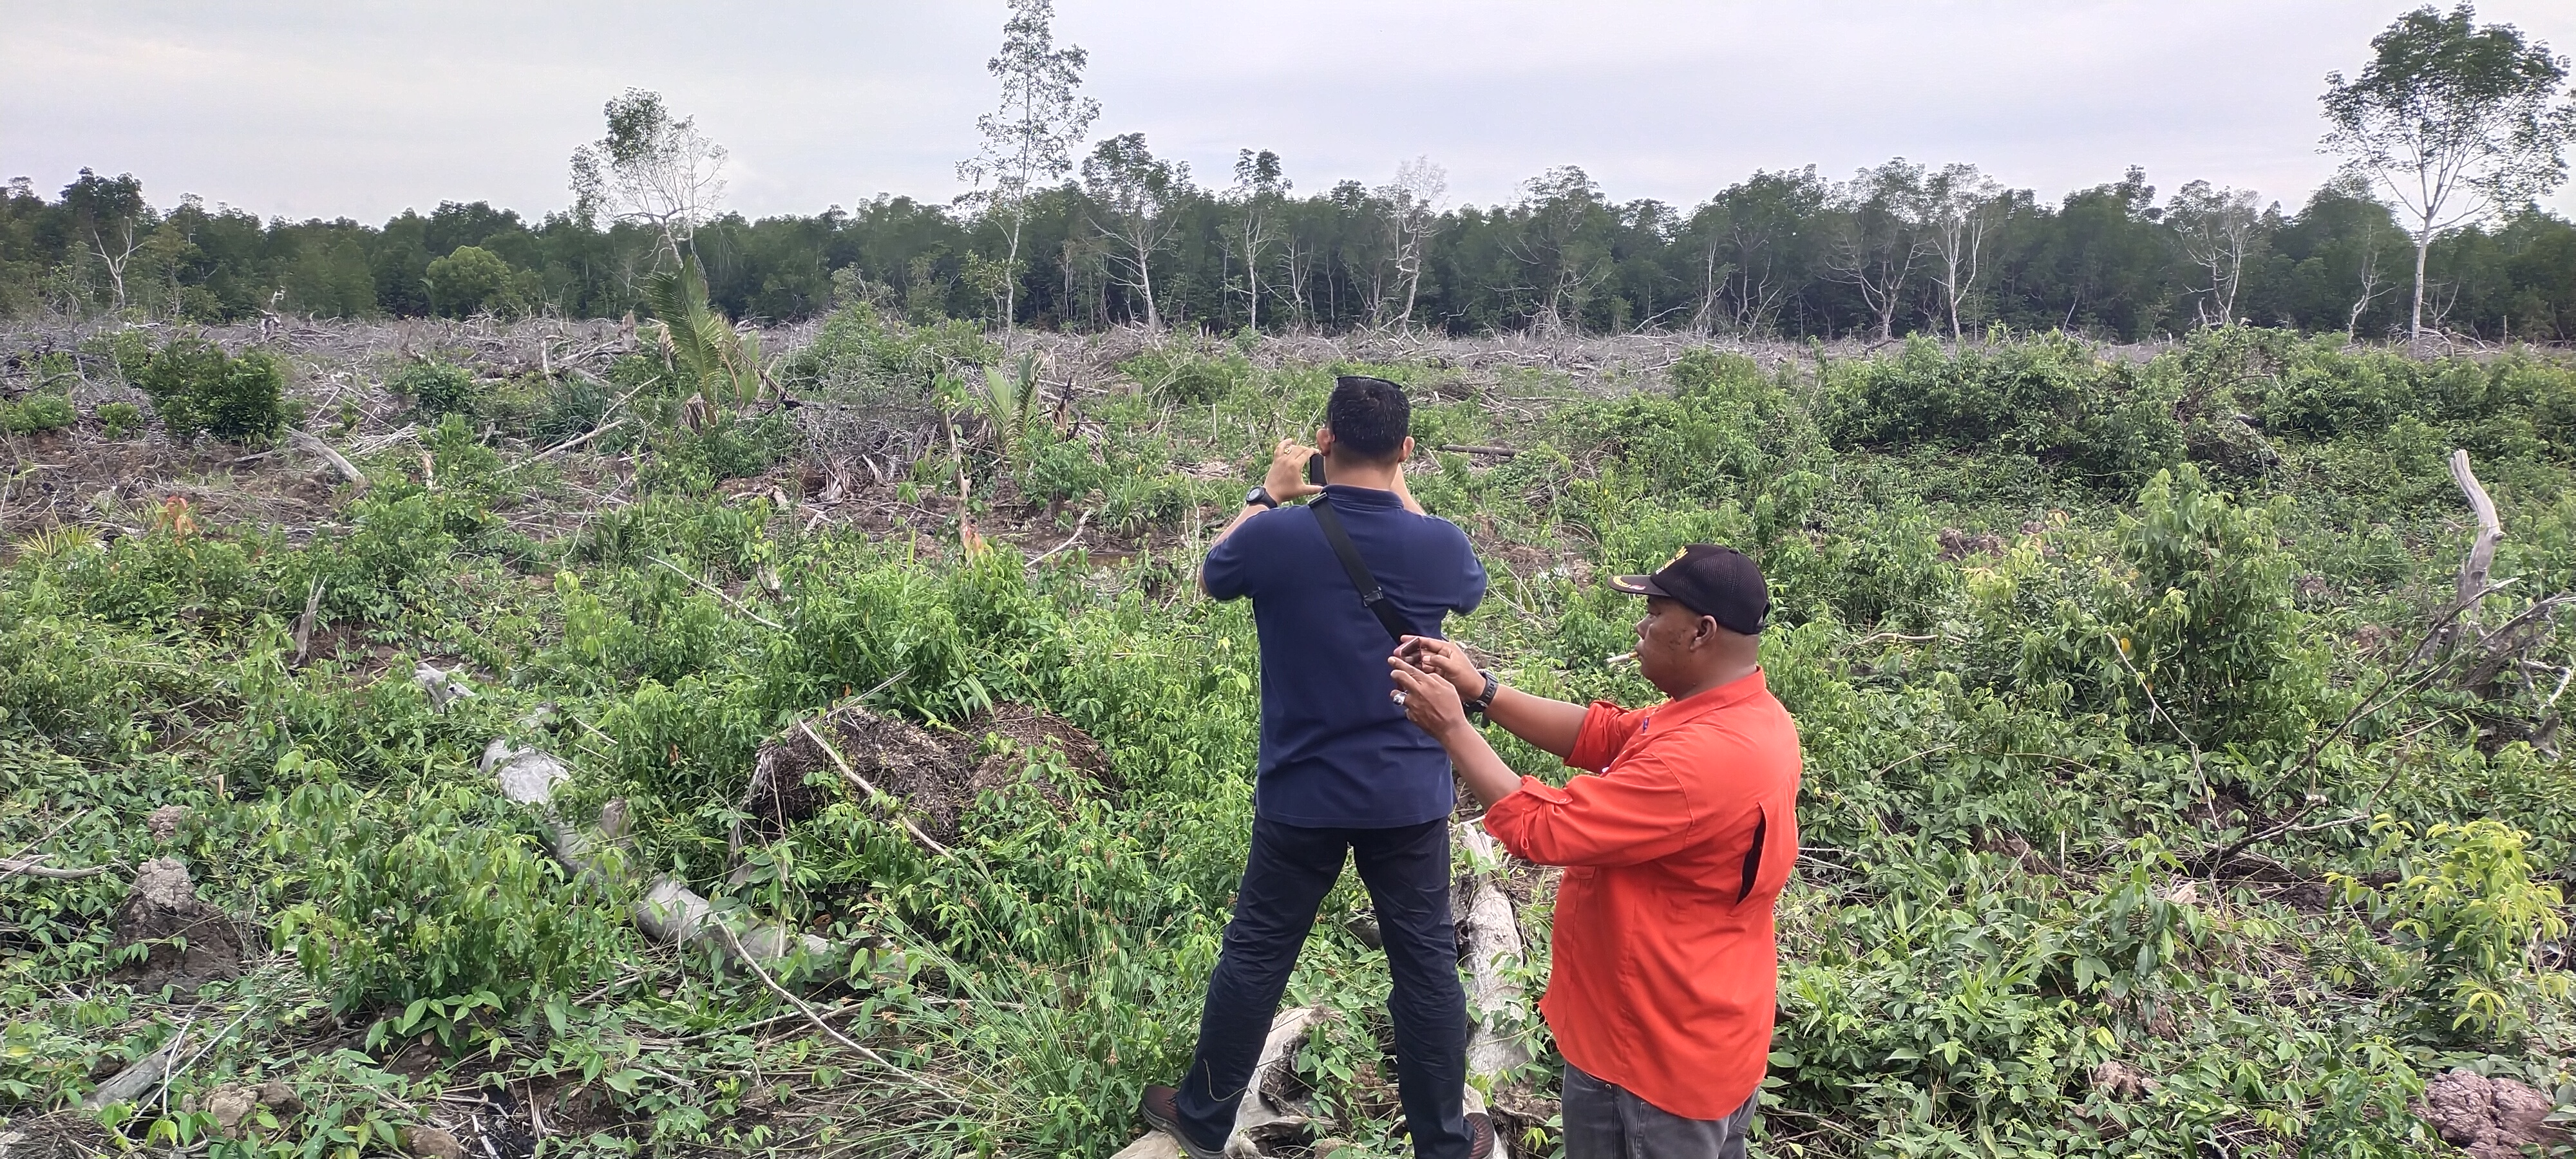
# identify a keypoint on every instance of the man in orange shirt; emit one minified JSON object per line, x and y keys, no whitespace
{"x":1665,"y":973}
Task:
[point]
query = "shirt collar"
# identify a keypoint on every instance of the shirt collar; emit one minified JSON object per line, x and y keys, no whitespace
{"x":1674,"y":713}
{"x":1345,"y":495}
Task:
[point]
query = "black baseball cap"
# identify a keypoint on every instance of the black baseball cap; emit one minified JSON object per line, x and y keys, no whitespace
{"x":1717,"y":582}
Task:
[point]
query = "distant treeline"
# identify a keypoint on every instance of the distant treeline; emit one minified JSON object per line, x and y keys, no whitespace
{"x":1789,"y":253}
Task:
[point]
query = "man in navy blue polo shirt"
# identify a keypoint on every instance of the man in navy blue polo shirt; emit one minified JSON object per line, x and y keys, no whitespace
{"x":1341,"y":770}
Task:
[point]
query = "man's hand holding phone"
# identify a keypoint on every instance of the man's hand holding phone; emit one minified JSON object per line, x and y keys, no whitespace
{"x":1286,"y":479}
{"x":1443,"y":659}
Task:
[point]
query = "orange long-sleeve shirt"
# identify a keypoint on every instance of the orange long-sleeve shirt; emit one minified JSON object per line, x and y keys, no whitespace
{"x":1665,"y":969}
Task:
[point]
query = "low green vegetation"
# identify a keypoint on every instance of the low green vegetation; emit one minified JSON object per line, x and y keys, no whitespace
{"x":198,"y":389}
{"x":2161,"y":798}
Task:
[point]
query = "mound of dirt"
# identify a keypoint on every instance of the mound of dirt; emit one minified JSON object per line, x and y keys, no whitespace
{"x":61,"y":1135}
{"x":936,"y":778}
{"x":162,"y":911}
{"x":2490,"y":1118}
{"x":1029,"y":729}
{"x":889,"y":753}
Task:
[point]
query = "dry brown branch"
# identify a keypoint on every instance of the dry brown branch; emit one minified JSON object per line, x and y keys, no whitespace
{"x":349,"y":471}
{"x":746,"y":958}
{"x":719,"y":593}
{"x":31,"y":867}
{"x":1078,"y":525}
{"x":885,"y":800}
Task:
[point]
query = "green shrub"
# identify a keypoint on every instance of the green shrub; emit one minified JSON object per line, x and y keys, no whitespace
{"x":437,"y":388}
{"x":119,"y":419}
{"x":2469,"y":910}
{"x":131,"y":351}
{"x":57,"y":372}
{"x":2197,"y":616}
{"x":431,"y":907}
{"x":198,"y":389}
{"x":37,"y":413}
{"x":859,"y":354}
{"x":2052,"y":398}
{"x":1059,"y":468}
{"x":1187,"y":376}
{"x":472,"y":280}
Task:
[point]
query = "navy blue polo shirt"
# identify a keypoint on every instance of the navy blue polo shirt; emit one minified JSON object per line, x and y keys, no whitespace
{"x":1335,"y":751}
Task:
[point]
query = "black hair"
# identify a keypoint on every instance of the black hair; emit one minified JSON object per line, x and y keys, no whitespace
{"x":1369,"y":417}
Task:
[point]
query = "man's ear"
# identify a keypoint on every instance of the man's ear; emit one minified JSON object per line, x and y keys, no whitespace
{"x":1404,"y":454}
{"x":1704,"y":632}
{"x":1324,"y":440}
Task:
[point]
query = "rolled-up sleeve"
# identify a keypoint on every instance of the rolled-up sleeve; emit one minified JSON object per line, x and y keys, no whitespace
{"x":1606,"y":729}
{"x":1635,"y":813}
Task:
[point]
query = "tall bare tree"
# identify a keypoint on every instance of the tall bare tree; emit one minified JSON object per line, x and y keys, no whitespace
{"x":1258,"y":188}
{"x":1030,"y":138}
{"x":2220,"y":229}
{"x":1133,"y":192}
{"x":651,"y":168}
{"x":1878,"y":237}
{"x":1964,"y":205}
{"x":1415,"y":200}
{"x":2458,"y":123}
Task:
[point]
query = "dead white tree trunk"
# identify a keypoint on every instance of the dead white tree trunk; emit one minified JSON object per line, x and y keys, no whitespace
{"x":1494,"y":957}
{"x":2481,"y":559}
{"x":1263,"y":1116}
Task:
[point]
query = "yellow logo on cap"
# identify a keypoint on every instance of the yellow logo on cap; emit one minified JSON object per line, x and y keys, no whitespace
{"x":1678,"y":553}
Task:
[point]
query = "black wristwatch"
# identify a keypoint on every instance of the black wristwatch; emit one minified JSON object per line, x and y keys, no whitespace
{"x":1485,"y":699}
{"x":1260,"y":497}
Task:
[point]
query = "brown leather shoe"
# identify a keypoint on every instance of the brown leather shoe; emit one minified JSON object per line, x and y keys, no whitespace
{"x":1480,"y":1136}
{"x":1162,"y":1111}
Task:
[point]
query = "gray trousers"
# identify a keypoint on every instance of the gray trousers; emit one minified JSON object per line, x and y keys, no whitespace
{"x":1605,"y":1121}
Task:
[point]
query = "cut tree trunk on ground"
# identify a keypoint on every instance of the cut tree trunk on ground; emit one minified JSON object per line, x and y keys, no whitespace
{"x":1493,"y":946}
{"x":130,"y":1083}
{"x":1267,"y":1115}
{"x":670,"y":911}
{"x":357,"y":479}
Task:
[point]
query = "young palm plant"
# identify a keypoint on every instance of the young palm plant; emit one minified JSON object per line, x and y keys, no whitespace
{"x":1009,"y":401}
{"x":723,"y":364}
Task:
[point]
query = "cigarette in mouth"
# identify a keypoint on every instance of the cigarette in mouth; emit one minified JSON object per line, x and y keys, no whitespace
{"x":1622,"y":658}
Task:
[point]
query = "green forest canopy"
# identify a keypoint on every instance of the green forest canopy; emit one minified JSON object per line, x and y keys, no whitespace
{"x":1788,"y":253}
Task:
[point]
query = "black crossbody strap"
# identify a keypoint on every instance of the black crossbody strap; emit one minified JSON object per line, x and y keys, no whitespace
{"x":1371,"y":595}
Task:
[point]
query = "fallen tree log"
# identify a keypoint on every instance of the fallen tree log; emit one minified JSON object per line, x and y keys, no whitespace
{"x":1492,"y":941}
{"x":130,"y":1083}
{"x":349,"y":471}
{"x":1268,"y":1116}
{"x":669,"y":911}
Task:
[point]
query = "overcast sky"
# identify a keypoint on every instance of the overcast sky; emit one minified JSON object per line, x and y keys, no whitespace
{"x":363,"y":109}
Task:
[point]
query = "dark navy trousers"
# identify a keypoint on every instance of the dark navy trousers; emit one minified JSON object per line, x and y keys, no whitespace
{"x":1291,"y":868}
